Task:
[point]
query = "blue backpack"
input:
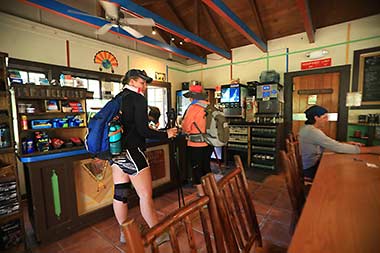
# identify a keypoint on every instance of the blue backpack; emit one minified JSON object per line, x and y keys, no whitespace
{"x":97,"y":140}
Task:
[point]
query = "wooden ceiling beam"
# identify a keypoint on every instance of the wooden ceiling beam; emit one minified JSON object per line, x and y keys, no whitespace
{"x":222,"y":10}
{"x":179,"y":21}
{"x":303,"y":6}
{"x":217,"y":28}
{"x":139,"y":11}
{"x":258,"y":19}
{"x":149,"y":2}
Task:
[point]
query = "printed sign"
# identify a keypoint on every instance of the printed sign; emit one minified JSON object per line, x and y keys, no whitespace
{"x":316,"y":64}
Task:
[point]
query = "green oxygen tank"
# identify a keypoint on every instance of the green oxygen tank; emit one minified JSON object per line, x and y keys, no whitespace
{"x":115,"y":134}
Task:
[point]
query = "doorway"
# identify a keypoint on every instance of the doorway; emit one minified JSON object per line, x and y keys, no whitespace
{"x":326,"y":87}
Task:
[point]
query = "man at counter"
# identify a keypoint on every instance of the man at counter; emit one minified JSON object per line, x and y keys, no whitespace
{"x":132,"y":165}
{"x":313,"y":141}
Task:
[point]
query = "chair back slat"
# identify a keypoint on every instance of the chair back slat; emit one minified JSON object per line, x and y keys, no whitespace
{"x":294,"y":186}
{"x":182,"y":219}
{"x":236,"y":210}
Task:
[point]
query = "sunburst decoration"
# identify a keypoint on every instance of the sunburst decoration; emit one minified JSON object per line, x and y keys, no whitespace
{"x":106,"y":60}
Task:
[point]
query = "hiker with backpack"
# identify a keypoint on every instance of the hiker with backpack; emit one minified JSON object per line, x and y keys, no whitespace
{"x":194,"y":122}
{"x":132,"y":165}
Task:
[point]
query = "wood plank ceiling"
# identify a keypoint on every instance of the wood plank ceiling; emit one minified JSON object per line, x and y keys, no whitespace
{"x":268,"y":19}
{"x":191,"y":29}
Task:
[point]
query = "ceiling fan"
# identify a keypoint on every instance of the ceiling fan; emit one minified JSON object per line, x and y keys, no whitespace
{"x":116,"y":18}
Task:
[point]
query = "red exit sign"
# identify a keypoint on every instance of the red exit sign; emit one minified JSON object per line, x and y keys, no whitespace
{"x":316,"y":64}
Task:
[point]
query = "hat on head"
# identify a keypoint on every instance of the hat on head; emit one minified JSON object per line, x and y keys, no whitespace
{"x":313,"y":111}
{"x":136,"y":73}
{"x":196,"y":92}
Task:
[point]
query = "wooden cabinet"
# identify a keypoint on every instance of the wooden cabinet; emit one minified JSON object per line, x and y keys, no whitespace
{"x":12,"y":236}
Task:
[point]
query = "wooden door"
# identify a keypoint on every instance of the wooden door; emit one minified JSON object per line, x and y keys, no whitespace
{"x":326,"y":87}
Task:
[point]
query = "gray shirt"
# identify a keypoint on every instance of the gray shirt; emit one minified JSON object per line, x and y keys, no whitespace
{"x":313,"y":142}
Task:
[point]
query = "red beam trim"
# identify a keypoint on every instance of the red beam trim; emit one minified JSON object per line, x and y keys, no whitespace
{"x":67,"y":53}
{"x":303,"y":6}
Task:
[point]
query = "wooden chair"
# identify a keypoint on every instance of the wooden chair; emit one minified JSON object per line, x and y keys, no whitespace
{"x":292,"y":144}
{"x":236,"y":210}
{"x":182,"y":220}
{"x":239,"y":163}
{"x":294,"y":185}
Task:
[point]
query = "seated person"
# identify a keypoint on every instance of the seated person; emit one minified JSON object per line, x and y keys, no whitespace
{"x":313,"y":141}
{"x":153,"y":117}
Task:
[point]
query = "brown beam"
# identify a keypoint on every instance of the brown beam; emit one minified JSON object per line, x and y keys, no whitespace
{"x":149,"y":2}
{"x":197,"y":17}
{"x":217,"y":28}
{"x":258,"y":19}
{"x":303,"y":6}
{"x":179,"y":21}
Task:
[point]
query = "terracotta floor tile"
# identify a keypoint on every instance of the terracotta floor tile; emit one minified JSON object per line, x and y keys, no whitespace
{"x":276,"y":233}
{"x":280,"y":215}
{"x":48,"y":248}
{"x":283,"y":201}
{"x":275,"y":181}
{"x":261,"y":208}
{"x":87,"y":240}
{"x":271,"y":201}
{"x":104,"y":225}
{"x":266,"y":195}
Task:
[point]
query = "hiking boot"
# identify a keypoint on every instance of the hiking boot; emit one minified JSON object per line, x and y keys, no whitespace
{"x":122,"y":237}
{"x":163,"y":238}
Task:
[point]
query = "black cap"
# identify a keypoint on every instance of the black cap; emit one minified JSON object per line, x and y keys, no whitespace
{"x":313,"y":111}
{"x":136,"y":73}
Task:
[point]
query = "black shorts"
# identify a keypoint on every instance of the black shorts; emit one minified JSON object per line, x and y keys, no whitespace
{"x":131,"y":161}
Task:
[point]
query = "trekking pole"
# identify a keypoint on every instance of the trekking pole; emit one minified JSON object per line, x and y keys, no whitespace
{"x":178,"y":177}
{"x":170,"y":124}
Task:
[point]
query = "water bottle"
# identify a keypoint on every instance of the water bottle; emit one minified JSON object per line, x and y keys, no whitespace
{"x":115,"y":138}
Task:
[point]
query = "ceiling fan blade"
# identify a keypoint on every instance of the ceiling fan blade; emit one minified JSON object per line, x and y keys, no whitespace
{"x":132,"y":31}
{"x":139,"y":21}
{"x":111,"y":9}
{"x":102,"y":30}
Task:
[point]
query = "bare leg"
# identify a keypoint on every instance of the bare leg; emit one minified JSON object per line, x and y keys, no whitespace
{"x":143,"y":186}
{"x":120,"y":209}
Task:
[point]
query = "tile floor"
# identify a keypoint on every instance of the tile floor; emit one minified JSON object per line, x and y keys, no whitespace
{"x":268,"y":191}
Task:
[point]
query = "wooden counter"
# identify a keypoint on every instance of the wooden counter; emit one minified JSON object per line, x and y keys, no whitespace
{"x":64,"y":195}
{"x":342,"y":211}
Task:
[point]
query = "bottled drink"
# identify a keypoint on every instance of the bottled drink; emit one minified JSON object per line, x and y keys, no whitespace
{"x":115,"y":138}
{"x":24,"y":122}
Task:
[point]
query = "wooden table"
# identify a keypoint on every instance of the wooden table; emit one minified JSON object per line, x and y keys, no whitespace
{"x":342,"y":211}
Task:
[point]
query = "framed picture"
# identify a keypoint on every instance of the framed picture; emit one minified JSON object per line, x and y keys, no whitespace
{"x":160,"y":76}
{"x":366,"y":75}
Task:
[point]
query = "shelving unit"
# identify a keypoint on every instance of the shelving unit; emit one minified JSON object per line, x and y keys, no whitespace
{"x":265,"y":144}
{"x":59,"y":112}
{"x":369,"y":133}
{"x":239,"y":140}
{"x":12,"y":235}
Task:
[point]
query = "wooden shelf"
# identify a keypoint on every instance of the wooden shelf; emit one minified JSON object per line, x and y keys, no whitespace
{"x":361,"y":138}
{"x":50,"y":113}
{"x":50,"y":129}
{"x":54,"y":151}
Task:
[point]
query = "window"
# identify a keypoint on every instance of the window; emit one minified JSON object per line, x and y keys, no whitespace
{"x":26,"y":76}
{"x":159,"y":96}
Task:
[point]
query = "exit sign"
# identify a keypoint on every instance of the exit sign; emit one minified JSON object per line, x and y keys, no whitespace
{"x":316,"y":64}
